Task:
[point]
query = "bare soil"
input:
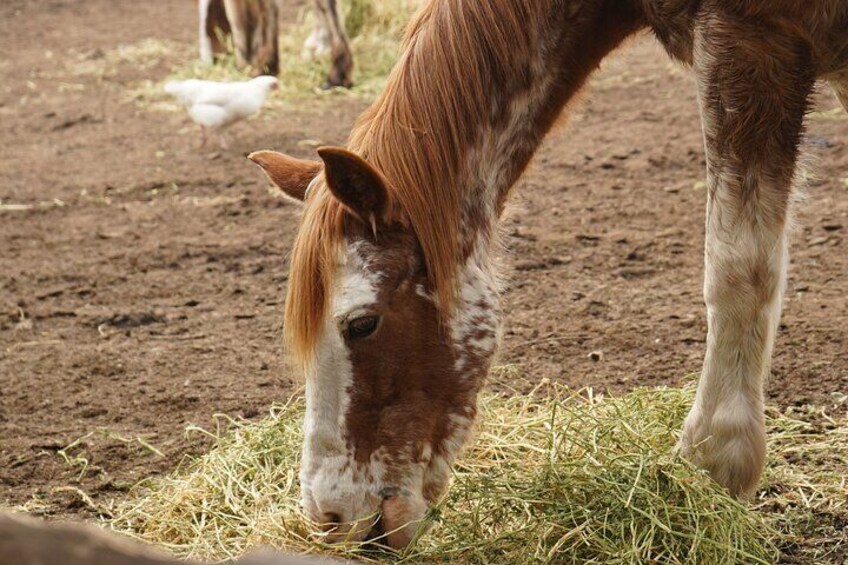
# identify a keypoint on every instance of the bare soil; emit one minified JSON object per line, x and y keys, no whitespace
{"x":143,"y":289}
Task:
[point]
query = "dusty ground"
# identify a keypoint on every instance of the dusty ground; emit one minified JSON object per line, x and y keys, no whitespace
{"x":144,"y":290}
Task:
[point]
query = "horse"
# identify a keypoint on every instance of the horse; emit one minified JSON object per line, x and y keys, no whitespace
{"x":392,"y":311}
{"x":253,"y":26}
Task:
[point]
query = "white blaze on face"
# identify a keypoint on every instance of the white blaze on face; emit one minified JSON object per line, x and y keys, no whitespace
{"x":332,"y":483}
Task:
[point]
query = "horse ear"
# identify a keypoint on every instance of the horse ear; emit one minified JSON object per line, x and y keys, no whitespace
{"x":358,"y":185}
{"x":291,"y":175}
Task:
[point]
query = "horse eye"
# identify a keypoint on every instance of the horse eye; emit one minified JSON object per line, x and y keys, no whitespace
{"x":362,"y":327}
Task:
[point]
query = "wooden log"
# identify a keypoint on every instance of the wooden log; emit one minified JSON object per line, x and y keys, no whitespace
{"x":28,"y":541}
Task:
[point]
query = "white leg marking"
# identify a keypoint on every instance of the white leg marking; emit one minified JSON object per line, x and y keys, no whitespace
{"x":203,"y":38}
{"x":745,"y":276}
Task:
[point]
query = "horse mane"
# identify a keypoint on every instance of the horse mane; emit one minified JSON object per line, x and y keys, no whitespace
{"x":419,"y":134}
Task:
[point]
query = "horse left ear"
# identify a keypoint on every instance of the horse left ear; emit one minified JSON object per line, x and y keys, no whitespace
{"x":358,"y":185}
{"x":292,"y":176}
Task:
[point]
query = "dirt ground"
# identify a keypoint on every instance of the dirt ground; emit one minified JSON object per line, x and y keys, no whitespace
{"x":143,"y":290}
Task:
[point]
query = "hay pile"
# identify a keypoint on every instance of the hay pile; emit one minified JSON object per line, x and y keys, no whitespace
{"x":554,"y":476}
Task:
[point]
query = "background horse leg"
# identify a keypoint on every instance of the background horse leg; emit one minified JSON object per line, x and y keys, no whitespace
{"x":754,"y":83}
{"x":204,"y":40}
{"x":342,"y":57}
{"x":254,"y":30}
{"x":237,"y":16}
{"x":264,"y":39}
{"x":214,"y":28}
{"x":318,"y":42}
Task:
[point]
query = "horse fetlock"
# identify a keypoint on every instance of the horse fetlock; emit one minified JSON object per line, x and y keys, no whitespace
{"x":731,"y":450}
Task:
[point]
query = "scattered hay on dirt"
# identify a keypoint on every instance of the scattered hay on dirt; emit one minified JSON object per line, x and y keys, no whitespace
{"x":553,"y":476}
{"x":375,"y":28}
{"x":143,"y":55}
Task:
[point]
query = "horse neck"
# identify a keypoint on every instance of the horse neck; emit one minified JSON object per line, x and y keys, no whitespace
{"x":571,"y":47}
{"x":477,"y":88}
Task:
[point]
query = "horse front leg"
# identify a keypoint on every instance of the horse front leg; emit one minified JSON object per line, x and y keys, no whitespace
{"x":753,"y":89}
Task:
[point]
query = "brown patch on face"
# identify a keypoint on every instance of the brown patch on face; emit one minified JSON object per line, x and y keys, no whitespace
{"x":406,"y":386}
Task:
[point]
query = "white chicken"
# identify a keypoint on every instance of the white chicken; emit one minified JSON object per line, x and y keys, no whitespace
{"x":217,"y":105}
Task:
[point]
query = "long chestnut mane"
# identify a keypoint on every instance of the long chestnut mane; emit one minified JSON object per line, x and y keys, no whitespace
{"x":418,"y":134}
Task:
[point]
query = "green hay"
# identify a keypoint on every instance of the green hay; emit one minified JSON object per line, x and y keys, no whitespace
{"x":554,"y":476}
{"x":375,"y":28}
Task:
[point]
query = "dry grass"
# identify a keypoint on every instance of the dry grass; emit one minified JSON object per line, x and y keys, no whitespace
{"x":555,"y":476}
{"x":143,"y":55}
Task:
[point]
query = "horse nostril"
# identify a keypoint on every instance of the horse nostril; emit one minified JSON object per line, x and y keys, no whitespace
{"x":331,"y":521}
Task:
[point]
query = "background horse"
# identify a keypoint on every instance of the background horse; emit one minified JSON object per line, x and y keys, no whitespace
{"x":393,"y":298}
{"x":253,"y":26}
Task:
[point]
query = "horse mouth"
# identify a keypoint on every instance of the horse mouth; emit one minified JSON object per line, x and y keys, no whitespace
{"x":377,"y":535}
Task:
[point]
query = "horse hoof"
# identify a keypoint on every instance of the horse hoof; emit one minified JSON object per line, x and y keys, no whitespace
{"x":330,"y":84}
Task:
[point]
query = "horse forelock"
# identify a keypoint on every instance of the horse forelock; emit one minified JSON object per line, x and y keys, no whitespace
{"x":312,"y":270}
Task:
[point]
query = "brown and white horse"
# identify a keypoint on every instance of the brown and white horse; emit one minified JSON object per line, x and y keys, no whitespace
{"x":393,"y":300}
{"x":253,"y":27}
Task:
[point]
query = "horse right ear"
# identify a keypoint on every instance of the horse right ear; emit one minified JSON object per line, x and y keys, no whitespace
{"x":291,"y":175}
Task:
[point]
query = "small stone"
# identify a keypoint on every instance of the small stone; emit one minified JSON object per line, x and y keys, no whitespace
{"x":530,"y":266}
{"x":596,"y":356}
{"x":556,"y":261}
{"x":634,"y":272}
